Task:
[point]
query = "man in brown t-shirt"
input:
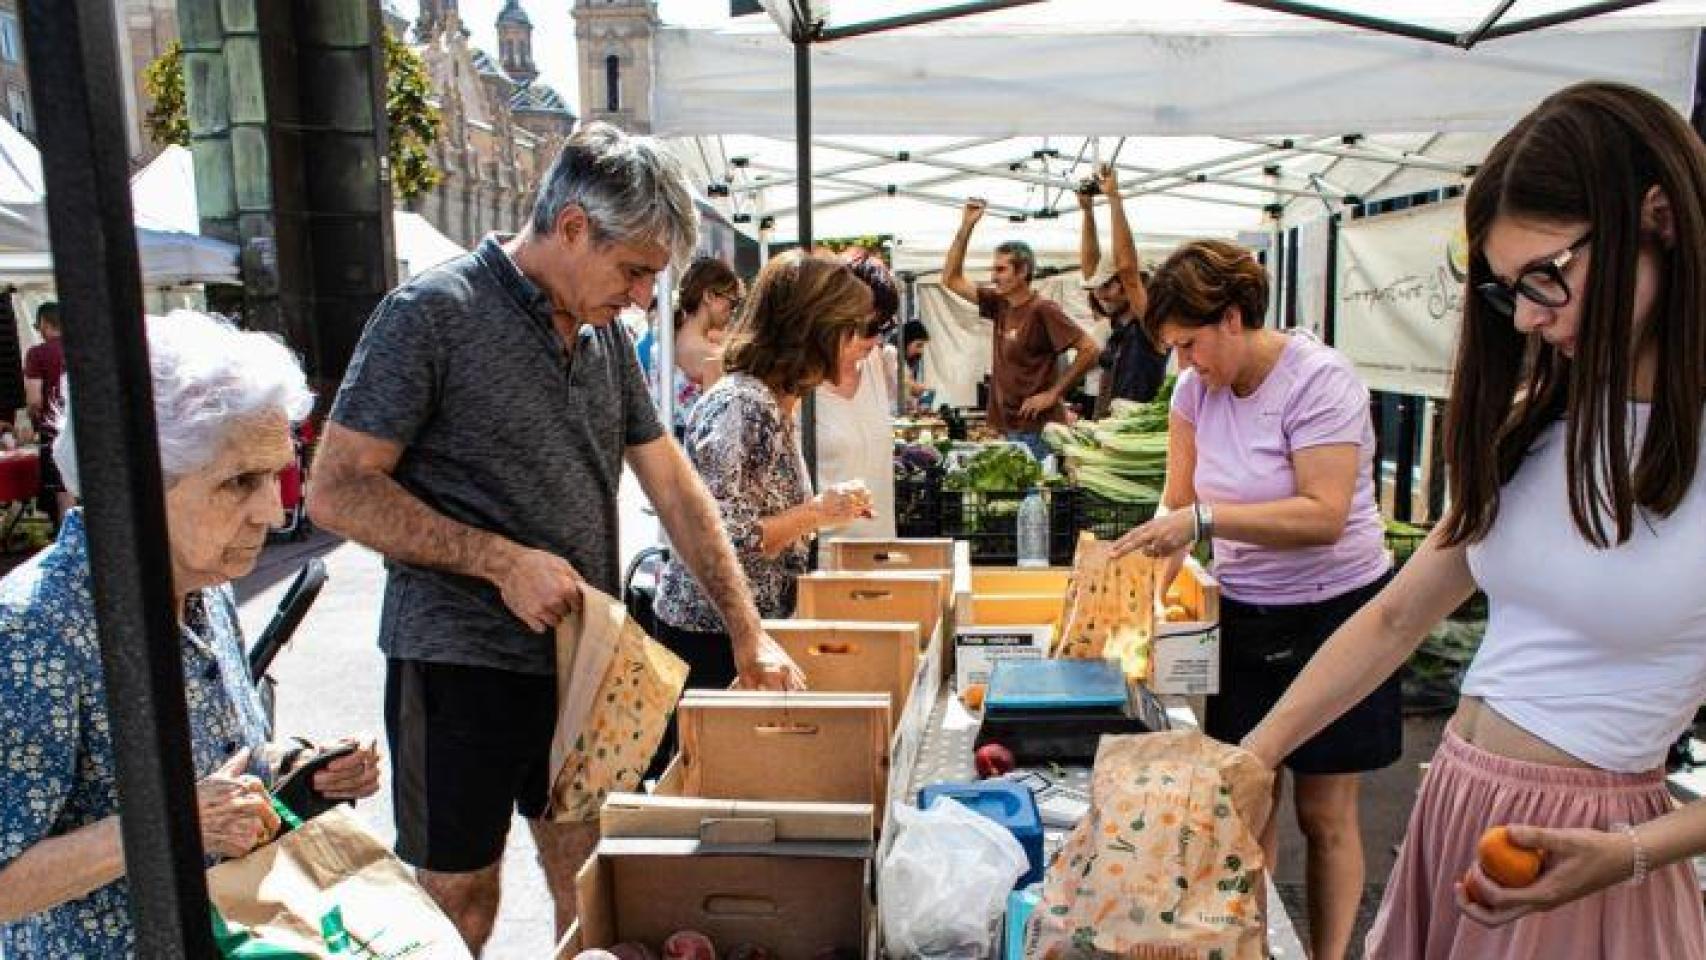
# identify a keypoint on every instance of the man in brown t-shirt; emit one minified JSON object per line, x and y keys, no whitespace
{"x":1031,"y":332}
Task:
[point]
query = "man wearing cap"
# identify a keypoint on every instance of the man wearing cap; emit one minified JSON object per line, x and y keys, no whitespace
{"x":1031,"y":332}
{"x":1133,"y":368}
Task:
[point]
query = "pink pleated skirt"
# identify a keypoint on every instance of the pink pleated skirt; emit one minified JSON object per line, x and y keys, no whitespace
{"x":1468,"y":790}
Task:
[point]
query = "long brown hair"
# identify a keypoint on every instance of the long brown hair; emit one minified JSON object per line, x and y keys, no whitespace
{"x":707,"y":275}
{"x":802,"y":309}
{"x":1588,"y":154}
{"x":1199,"y":281}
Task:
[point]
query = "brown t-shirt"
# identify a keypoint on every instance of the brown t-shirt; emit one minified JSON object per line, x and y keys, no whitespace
{"x":1028,"y":339}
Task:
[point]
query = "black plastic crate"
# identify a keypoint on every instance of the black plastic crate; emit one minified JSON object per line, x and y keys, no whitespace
{"x":918,"y":505}
{"x":989,"y":522}
{"x":1110,"y":519}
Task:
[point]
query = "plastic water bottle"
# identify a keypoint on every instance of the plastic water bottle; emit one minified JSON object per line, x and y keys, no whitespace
{"x":1033,"y":531}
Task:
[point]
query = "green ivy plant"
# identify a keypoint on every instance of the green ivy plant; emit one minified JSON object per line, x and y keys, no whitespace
{"x":413,"y":120}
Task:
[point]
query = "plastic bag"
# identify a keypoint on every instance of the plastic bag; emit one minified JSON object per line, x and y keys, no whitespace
{"x":945,"y":881}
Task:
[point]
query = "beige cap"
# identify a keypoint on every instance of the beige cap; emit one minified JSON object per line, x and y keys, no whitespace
{"x":1105,"y":271}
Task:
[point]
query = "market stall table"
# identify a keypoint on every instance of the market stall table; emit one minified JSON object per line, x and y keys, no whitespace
{"x":946,"y":757}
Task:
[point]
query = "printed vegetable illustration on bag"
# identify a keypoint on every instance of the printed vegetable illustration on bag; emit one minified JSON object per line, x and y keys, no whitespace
{"x":1166,"y":864}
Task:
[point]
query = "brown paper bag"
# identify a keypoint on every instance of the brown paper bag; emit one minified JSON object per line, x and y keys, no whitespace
{"x":615,"y":690}
{"x":1167,"y":865}
{"x":1109,"y":610}
{"x":328,"y":889}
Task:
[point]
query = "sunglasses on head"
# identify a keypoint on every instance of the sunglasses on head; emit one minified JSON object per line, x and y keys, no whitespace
{"x":878,"y":327}
{"x":1542,"y":283}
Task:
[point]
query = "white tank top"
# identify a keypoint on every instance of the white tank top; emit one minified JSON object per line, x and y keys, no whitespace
{"x":1601,"y":653}
{"x":855,"y":441}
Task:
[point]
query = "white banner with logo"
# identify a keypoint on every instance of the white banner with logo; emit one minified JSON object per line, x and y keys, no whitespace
{"x":1399,"y":297}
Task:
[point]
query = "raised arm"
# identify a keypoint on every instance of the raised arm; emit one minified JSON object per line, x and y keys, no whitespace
{"x":954,"y":267}
{"x":1089,"y":247}
{"x":1126,"y":261}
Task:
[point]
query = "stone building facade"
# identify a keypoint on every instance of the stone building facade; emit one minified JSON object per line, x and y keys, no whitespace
{"x":501,"y":127}
{"x":614,"y":42}
{"x":14,"y":82}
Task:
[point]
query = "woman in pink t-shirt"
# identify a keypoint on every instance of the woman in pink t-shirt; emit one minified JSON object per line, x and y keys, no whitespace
{"x":1270,"y":449}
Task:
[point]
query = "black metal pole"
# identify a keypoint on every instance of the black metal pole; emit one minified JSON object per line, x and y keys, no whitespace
{"x":803,"y":213}
{"x":1350,"y":19}
{"x":75,"y":78}
{"x":1530,"y":24}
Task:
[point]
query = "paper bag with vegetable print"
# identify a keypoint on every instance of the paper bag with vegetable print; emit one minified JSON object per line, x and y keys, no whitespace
{"x":616,"y":688}
{"x":1166,"y":865}
{"x":1109,"y":610}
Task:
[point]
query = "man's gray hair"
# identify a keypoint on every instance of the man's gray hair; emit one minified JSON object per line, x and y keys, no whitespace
{"x":631,"y":188}
{"x":208,"y":377}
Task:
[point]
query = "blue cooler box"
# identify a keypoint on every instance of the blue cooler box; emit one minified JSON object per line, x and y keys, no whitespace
{"x":1007,"y":803}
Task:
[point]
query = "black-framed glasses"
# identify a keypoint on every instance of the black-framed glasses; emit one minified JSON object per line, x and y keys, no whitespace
{"x":1542,"y":283}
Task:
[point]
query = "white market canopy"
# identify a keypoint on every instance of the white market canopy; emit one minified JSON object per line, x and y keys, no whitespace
{"x":1188,"y":93}
{"x":168,"y":240}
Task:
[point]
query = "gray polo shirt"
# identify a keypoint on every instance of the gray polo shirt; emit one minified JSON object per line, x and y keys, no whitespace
{"x":501,"y":431}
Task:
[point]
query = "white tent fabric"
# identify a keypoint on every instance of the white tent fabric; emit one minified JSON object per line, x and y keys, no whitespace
{"x":419,"y":244}
{"x":22,"y":217}
{"x":162,"y":194}
{"x":1155,"y":76}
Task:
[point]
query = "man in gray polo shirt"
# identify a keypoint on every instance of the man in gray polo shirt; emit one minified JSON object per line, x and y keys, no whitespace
{"x":477,"y":442}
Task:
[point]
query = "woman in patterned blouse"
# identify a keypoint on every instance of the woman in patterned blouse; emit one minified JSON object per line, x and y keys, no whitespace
{"x":742,"y":437}
{"x":223,"y":401}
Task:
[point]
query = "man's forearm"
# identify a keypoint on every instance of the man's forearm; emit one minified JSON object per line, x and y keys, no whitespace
{"x":954,"y":267}
{"x":1089,"y":248}
{"x":374,"y":510}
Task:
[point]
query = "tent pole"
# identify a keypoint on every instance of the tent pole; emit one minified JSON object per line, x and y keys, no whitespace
{"x":803,"y":216}
{"x":920,"y":18}
{"x":663,"y":314}
{"x":1350,"y":19}
{"x":1530,"y":24}
{"x":74,"y":74}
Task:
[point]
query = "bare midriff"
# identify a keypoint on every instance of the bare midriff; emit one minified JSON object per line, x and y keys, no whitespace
{"x":1482,"y":726}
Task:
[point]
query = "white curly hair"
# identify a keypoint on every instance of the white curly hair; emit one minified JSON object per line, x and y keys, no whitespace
{"x":209,"y":377}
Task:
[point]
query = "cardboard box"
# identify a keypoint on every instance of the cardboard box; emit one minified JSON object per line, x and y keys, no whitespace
{"x":850,"y":553}
{"x":849,"y":656}
{"x":977,"y":648}
{"x":920,"y":597}
{"x":749,"y":745}
{"x":1184,"y":655}
{"x":795,"y":878}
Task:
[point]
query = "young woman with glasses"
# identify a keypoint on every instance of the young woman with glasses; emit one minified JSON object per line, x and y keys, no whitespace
{"x":1574,"y":448}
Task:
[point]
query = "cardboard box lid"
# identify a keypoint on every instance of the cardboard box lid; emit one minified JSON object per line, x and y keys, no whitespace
{"x":735,"y":823}
{"x":747,"y":745}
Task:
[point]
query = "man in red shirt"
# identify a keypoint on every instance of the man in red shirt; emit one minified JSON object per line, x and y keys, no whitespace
{"x":44,"y":371}
{"x":1031,"y":332}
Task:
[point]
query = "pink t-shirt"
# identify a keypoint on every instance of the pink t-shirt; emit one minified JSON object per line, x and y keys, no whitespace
{"x":1311,"y":398}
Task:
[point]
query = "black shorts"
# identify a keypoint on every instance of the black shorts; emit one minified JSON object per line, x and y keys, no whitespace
{"x":51,"y":481}
{"x":469,"y":746}
{"x":710,"y":666}
{"x":1264,"y":647}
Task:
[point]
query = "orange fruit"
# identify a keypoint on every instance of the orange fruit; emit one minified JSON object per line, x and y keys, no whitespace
{"x":1506,"y":863}
{"x":972,"y":696}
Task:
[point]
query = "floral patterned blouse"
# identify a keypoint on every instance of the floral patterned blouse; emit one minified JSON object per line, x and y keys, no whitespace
{"x":57,"y":770}
{"x":749,"y":457}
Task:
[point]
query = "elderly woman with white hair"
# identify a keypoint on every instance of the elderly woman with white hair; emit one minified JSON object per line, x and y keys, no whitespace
{"x":223,"y":402}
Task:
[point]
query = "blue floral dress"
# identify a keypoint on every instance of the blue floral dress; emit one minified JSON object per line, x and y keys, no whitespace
{"x":57,"y":770}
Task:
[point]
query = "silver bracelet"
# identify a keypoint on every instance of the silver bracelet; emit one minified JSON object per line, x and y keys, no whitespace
{"x":1205,"y":521}
{"x":1196,"y":523}
{"x":1642,"y":866}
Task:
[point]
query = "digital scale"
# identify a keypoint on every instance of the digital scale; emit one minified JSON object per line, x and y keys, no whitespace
{"x":1058,"y":710}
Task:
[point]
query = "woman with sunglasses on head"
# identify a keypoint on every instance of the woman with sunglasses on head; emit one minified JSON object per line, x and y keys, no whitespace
{"x":855,"y":407}
{"x":743,"y":441}
{"x":1269,"y":454}
{"x":1574,"y":442}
